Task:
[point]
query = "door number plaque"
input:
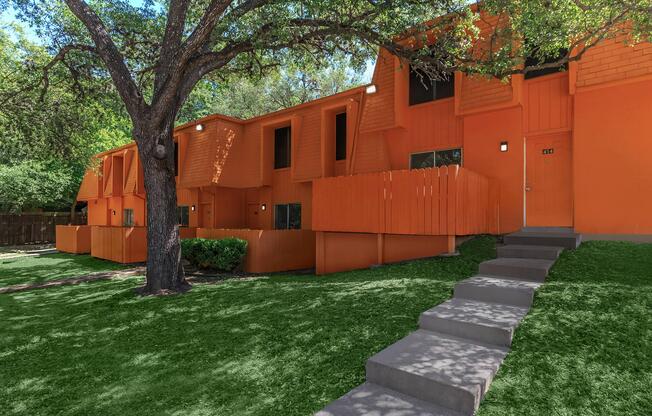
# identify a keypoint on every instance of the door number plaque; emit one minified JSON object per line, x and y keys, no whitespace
{"x":548,"y":151}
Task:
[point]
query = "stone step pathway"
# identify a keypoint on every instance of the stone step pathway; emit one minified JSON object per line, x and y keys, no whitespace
{"x":446,"y":366}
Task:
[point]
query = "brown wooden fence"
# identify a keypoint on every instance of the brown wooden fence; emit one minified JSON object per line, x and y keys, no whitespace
{"x":33,"y":228}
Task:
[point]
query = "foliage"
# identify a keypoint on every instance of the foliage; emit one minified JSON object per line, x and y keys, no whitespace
{"x":33,"y":184}
{"x":284,"y":345}
{"x":245,"y":97}
{"x":585,"y":348}
{"x":47,"y":140}
{"x":225,"y":254}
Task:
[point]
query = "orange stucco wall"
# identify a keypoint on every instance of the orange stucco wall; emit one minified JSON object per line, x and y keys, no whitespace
{"x":602,"y":105}
{"x":612,"y":168}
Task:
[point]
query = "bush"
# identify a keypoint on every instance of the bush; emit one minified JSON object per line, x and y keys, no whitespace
{"x":225,"y":254}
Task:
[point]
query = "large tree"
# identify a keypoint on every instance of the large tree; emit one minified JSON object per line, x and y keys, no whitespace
{"x":157,"y":53}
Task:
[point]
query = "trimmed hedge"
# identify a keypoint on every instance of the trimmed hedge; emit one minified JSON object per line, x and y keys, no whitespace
{"x":225,"y":254}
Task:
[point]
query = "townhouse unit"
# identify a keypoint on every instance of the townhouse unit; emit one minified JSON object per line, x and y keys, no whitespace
{"x":400,"y":168}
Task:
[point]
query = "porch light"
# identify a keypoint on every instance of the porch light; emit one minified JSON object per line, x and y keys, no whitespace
{"x":192,"y":208}
{"x":199,"y":127}
{"x":503,"y":146}
{"x":263,"y":207}
{"x":371,"y":89}
{"x":113,"y":212}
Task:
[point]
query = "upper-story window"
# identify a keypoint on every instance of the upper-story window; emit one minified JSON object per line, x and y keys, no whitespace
{"x":282,"y":147}
{"x":340,"y":136}
{"x":176,"y":158}
{"x":436,"y":158}
{"x":531,"y":61}
{"x":424,"y":89}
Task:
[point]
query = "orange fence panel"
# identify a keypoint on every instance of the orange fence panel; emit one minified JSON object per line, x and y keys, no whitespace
{"x":119,"y":244}
{"x":73,"y":238}
{"x":435,"y":201}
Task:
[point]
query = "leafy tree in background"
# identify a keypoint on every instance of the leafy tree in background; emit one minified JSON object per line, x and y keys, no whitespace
{"x":158,"y":53}
{"x":46,"y":140}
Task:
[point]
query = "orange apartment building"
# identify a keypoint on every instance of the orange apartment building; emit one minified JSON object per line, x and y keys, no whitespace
{"x":396,"y":171}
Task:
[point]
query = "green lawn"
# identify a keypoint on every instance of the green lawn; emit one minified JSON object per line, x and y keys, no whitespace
{"x":50,"y":267}
{"x":586,"y":346}
{"x":286,"y":345}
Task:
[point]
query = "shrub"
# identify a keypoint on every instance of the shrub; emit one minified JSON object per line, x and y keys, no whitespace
{"x":225,"y":254}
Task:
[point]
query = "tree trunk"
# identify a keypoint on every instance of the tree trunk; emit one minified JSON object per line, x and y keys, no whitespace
{"x":164,"y":269}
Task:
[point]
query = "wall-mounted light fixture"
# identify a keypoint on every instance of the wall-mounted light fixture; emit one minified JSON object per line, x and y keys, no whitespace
{"x":263,"y":207}
{"x":192,"y":208}
{"x":199,"y":127}
{"x":371,"y":89}
{"x":503,"y":146}
{"x":113,"y":212}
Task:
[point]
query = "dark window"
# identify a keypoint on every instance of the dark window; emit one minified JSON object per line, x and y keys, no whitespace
{"x":183,"y":215}
{"x":128,"y":217}
{"x":532,"y":61}
{"x":422,"y":160}
{"x":436,"y":159}
{"x":448,"y":157}
{"x":282,"y":147}
{"x":340,"y":136}
{"x":176,"y":159}
{"x":424,"y":89}
{"x":287,"y":216}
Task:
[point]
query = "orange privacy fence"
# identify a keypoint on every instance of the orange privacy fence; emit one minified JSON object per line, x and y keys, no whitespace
{"x":119,"y":244}
{"x":435,"y":201}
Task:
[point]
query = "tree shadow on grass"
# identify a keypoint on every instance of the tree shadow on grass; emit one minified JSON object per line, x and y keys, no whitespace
{"x":43,"y":268}
{"x":286,"y":345}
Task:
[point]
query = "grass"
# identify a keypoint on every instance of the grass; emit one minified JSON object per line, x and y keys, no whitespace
{"x":50,"y":267}
{"x":586,"y":346}
{"x":286,"y":345}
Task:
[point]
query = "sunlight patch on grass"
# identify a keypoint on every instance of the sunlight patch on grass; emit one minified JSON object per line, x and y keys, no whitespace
{"x":283,"y":345}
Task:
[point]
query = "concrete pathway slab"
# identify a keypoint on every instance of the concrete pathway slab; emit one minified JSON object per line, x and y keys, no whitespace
{"x":486,"y":322}
{"x":369,"y":399}
{"x":445,"y":370}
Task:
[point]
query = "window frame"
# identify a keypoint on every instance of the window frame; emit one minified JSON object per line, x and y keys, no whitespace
{"x":128,"y":213}
{"x":433,"y":84}
{"x":287,"y":219}
{"x":289,"y":148}
{"x":434,"y":152}
{"x":530,"y":60}
{"x":176,"y":159}
{"x":180,"y":209}
{"x":340,"y":148}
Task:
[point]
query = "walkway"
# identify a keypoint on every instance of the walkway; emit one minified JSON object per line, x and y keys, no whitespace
{"x":446,"y":366}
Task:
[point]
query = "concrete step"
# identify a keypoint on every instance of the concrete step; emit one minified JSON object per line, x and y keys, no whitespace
{"x":529,"y":252}
{"x":497,"y":290}
{"x":490,"y":323}
{"x":448,"y":371}
{"x":369,"y":399}
{"x":523,"y":269}
{"x":564,"y":239}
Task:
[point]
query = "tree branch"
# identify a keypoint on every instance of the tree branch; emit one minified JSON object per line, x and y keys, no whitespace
{"x":112,"y":58}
